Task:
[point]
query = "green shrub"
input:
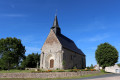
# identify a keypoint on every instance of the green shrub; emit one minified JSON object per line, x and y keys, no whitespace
{"x":118,"y":65}
{"x":61,"y":70}
{"x":74,"y":67}
{"x":74,"y":70}
{"x":88,"y":67}
{"x":102,"y":70}
{"x":91,"y":67}
{"x":57,"y":69}
{"x":63,"y":63}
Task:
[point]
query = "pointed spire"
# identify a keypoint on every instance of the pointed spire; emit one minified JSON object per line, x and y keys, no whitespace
{"x":56,"y":27}
{"x":55,"y":23}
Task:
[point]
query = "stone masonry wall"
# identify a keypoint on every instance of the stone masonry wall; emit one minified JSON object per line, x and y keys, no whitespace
{"x":51,"y":44}
{"x":46,"y":75}
{"x":51,"y":49}
{"x":73,"y":59}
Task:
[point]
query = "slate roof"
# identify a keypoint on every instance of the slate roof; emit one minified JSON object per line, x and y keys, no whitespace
{"x":68,"y":43}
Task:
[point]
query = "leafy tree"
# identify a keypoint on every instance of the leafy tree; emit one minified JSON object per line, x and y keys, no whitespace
{"x":118,"y":64}
{"x":106,"y":55}
{"x":31,"y":60}
{"x":88,"y":67}
{"x":11,"y":52}
{"x":91,"y":67}
{"x":22,"y":64}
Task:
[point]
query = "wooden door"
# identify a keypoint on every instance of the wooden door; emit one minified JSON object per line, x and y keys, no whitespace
{"x":51,"y":63}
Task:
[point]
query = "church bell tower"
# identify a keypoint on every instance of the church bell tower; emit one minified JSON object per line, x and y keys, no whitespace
{"x":56,"y":27}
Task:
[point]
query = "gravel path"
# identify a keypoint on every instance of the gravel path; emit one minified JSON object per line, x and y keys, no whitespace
{"x":103,"y":77}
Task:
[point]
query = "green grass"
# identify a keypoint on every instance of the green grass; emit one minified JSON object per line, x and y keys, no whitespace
{"x":15,"y":71}
{"x":75,"y":77}
{"x":33,"y":71}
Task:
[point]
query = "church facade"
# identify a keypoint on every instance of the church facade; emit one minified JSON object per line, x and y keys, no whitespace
{"x":60,"y":52}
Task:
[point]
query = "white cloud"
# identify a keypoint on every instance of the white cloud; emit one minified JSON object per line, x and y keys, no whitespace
{"x":12,"y":15}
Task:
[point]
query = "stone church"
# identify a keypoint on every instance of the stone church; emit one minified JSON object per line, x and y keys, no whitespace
{"x":60,"y":52}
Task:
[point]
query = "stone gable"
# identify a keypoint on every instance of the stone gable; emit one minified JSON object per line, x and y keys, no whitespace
{"x":51,"y":44}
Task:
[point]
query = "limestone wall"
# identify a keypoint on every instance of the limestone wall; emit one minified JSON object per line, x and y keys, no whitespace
{"x":57,"y":57}
{"x":51,"y":44}
{"x":72,"y":59}
{"x":51,"y":49}
{"x":46,"y":75}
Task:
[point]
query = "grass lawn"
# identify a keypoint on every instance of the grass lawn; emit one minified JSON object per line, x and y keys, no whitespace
{"x":15,"y":71}
{"x":75,"y":77}
{"x":29,"y":71}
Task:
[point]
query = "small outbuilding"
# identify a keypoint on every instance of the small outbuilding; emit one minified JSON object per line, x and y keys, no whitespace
{"x":113,"y":69}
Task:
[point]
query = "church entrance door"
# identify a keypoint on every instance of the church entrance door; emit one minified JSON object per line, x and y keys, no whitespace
{"x":51,"y":63}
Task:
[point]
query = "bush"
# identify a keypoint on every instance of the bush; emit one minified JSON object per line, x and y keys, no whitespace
{"x":88,"y":67}
{"x":92,"y":69}
{"x":49,"y":71}
{"x":39,"y":71}
{"x":102,"y":70}
{"x":61,"y":71}
{"x":57,"y":69}
{"x":74,"y":67}
{"x":74,"y":70}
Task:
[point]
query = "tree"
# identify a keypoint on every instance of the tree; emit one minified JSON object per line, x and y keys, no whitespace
{"x":106,"y":55}
{"x":118,"y":64}
{"x":91,"y":67}
{"x":31,"y":60}
{"x":11,"y":52}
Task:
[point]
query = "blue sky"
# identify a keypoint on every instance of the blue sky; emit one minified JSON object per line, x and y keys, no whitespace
{"x":87,"y":22}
